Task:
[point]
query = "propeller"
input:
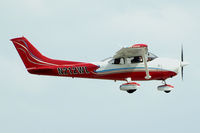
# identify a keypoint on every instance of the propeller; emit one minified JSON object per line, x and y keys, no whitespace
{"x":182,"y":63}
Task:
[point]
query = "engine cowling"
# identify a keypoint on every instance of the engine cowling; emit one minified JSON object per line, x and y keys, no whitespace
{"x":129,"y":86}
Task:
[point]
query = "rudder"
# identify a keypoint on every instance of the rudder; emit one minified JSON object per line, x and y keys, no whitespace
{"x":30,"y":56}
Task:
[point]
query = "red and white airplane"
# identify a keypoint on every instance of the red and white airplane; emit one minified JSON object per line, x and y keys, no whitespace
{"x":129,"y":64}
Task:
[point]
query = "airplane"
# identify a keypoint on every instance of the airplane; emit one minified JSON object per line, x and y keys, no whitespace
{"x":129,"y":64}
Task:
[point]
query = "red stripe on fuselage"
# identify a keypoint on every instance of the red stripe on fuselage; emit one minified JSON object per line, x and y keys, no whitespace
{"x":87,"y":70}
{"x":140,"y":75}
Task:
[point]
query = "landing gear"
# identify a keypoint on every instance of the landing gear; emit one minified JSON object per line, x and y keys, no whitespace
{"x":167,"y":91}
{"x":166,"y":87}
{"x":131,"y":91}
{"x":129,"y":87}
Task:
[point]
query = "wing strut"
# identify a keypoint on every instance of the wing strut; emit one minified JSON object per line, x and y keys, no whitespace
{"x":144,"y":56}
{"x":135,"y":51}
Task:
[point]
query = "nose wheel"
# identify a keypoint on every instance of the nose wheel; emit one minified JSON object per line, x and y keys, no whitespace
{"x":165,"y":87}
{"x":167,"y":91}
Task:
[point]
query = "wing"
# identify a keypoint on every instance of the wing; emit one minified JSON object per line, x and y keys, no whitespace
{"x":130,"y":52}
{"x":135,"y":50}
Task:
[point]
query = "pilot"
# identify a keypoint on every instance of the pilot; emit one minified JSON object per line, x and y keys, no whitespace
{"x":136,"y":59}
{"x":117,"y":61}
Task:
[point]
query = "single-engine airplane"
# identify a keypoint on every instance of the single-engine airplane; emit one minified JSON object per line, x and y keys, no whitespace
{"x":129,"y":64}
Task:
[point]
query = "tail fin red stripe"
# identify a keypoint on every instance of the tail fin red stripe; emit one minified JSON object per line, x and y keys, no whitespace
{"x":35,"y":59}
{"x":29,"y":50}
{"x":32,"y":58}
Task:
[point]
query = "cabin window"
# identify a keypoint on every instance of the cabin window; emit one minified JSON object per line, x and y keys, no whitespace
{"x":117,"y":61}
{"x":136,"y":59}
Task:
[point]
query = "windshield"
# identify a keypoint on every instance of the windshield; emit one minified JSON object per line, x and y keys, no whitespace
{"x":151,"y":56}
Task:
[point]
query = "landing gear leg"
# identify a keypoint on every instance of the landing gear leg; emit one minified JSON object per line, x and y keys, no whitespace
{"x":165,"y":87}
{"x":164,"y":82}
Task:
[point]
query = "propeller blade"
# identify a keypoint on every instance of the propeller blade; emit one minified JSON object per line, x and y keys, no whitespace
{"x":182,"y":73}
{"x":182,"y":52}
{"x":181,"y":61}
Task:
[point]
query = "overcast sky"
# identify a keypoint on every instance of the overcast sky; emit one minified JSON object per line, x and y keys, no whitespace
{"x":92,"y":30}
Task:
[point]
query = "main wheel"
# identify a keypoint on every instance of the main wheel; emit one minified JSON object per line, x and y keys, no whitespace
{"x":167,"y":91}
{"x":131,"y":91}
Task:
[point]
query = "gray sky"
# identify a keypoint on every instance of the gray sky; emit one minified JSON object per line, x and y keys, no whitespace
{"x":92,"y":30}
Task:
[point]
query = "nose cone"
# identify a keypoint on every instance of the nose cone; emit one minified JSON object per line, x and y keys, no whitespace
{"x":172,"y":65}
{"x":169,"y":64}
{"x":182,"y":64}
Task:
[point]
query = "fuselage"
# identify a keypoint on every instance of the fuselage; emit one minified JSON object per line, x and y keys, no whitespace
{"x":135,"y":63}
{"x":159,"y":69}
{"x":129,"y":64}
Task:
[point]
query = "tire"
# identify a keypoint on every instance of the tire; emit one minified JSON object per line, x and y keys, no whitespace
{"x":167,"y":91}
{"x":131,"y":91}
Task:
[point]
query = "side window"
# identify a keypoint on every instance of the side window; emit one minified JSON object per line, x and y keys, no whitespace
{"x":117,"y":61}
{"x":136,"y":59}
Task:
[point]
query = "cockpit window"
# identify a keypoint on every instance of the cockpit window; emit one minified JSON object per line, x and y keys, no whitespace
{"x":151,"y":56}
{"x":117,"y":61}
{"x":135,"y":59}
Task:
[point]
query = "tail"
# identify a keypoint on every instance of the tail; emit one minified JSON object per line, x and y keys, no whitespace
{"x":32,"y":58}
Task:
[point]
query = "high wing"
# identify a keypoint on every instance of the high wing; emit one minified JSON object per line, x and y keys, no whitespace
{"x":135,"y":50}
